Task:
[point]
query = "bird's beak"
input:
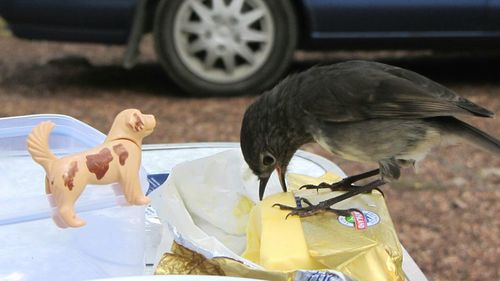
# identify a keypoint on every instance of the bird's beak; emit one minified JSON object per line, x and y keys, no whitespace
{"x":281,"y":174}
{"x":262,"y":186}
{"x":263,"y":181}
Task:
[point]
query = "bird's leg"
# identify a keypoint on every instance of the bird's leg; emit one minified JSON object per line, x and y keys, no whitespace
{"x":346,"y":184}
{"x":325,"y":206}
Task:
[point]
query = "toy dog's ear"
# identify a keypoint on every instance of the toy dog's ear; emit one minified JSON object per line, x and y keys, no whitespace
{"x":136,"y":122}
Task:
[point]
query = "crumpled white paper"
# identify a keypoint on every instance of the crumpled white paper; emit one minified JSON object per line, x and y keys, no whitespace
{"x":197,"y":204}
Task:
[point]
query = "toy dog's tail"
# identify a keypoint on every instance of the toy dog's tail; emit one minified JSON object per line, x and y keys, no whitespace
{"x":38,"y":145}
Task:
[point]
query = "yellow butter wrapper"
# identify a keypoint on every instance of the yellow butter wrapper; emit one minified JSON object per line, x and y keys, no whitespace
{"x":363,"y":247}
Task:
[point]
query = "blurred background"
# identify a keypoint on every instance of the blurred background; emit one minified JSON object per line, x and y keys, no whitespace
{"x":197,"y":64}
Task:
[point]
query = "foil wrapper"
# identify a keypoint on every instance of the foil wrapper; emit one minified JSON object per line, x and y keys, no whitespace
{"x":204,"y":204}
{"x":185,"y":261}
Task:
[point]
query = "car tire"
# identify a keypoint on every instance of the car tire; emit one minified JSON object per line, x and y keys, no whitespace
{"x":202,"y":47}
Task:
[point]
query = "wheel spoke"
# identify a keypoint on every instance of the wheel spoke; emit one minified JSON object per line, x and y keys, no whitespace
{"x":250,"y":35}
{"x":244,"y":51}
{"x":196,"y":46}
{"x":218,"y":5}
{"x":229,"y":62}
{"x":210,"y":59}
{"x":235,"y":6}
{"x":195,"y":28}
{"x":251,"y":17}
{"x":201,"y":10}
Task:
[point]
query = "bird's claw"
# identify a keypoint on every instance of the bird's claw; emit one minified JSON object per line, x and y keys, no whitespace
{"x":322,"y":185}
{"x":345,"y":212}
{"x":298,"y":201}
{"x":311,"y":209}
{"x":379,"y":190}
{"x":284,"y":207}
{"x":342,"y":185}
{"x":338,"y":186}
{"x":325,"y":206}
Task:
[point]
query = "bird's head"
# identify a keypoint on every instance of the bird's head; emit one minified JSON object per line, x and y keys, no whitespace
{"x":265,"y":145}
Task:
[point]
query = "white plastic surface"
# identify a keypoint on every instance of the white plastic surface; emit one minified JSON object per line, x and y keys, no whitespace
{"x":31,"y":246}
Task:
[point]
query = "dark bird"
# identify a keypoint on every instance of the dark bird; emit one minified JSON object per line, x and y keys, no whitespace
{"x":362,"y":111}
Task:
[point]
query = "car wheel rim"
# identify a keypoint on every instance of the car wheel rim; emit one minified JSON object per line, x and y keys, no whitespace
{"x":224,"y":41}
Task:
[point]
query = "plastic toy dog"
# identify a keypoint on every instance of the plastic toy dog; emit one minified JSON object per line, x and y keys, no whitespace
{"x":117,"y":160}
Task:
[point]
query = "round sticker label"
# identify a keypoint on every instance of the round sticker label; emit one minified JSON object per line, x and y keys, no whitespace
{"x":360,"y":221}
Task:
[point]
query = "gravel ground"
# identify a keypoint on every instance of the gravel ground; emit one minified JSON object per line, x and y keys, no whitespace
{"x":446,"y":213}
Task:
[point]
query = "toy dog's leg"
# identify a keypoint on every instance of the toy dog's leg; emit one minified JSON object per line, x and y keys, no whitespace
{"x":68,"y":216}
{"x":133,"y":192}
{"x":131,"y":185}
{"x":56,"y":217}
{"x":64,"y":200}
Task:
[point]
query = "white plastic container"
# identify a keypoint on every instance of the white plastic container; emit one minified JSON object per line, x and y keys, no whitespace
{"x":32,"y":247}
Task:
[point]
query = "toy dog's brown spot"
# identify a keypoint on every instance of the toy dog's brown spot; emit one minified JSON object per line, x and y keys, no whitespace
{"x":122,"y":153}
{"x":69,"y":175}
{"x":99,"y":163}
{"x":138,"y":122}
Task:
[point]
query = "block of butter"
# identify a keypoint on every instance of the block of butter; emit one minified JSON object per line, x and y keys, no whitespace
{"x":275,"y":241}
{"x":364,"y":247}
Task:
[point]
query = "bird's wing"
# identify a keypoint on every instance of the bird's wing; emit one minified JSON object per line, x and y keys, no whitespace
{"x":366,"y":90}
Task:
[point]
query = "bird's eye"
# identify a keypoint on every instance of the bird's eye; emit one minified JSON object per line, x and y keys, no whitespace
{"x":268,"y":160}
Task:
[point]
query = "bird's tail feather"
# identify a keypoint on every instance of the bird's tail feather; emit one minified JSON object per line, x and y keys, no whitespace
{"x":38,"y":145}
{"x":472,"y":135}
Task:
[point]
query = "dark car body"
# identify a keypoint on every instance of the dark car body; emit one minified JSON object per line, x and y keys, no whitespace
{"x":404,"y":23}
{"x":324,"y":23}
{"x":107,"y":21}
